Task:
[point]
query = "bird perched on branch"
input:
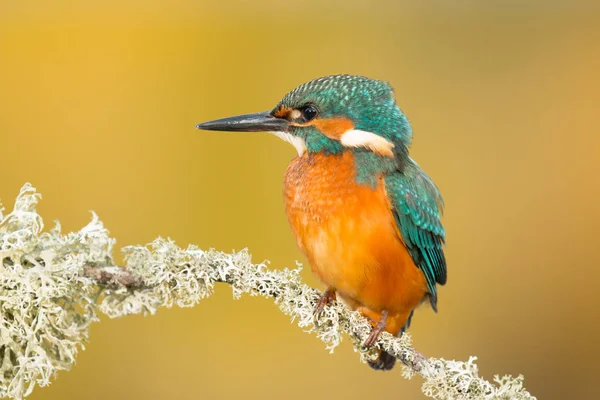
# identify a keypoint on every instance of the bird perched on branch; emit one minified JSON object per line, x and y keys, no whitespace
{"x":363,"y":212}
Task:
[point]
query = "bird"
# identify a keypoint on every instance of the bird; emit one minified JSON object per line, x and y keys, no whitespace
{"x":364,"y":214}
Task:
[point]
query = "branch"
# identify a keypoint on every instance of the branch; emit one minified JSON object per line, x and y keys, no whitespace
{"x":52,"y":286}
{"x":285,"y":287}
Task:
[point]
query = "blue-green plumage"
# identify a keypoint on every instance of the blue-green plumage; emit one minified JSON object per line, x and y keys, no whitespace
{"x":417,"y":205}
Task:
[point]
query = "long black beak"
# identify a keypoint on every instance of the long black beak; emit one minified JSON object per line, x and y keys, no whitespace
{"x":258,"y":122}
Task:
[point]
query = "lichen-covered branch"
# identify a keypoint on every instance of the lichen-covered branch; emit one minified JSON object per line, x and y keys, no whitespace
{"x":52,"y":285}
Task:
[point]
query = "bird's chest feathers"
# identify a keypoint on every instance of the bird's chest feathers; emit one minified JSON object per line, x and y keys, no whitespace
{"x":320,"y":188}
{"x":335,"y":219}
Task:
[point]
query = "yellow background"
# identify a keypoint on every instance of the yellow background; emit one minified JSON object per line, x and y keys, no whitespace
{"x":98,"y":102}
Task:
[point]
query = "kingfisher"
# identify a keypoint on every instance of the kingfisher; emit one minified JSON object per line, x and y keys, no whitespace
{"x":364,"y":214}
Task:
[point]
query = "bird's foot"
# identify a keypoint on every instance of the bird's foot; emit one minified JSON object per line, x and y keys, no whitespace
{"x":327,"y":297}
{"x":377,"y":329}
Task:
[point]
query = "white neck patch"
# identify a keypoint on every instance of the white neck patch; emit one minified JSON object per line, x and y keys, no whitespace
{"x":295,"y":141}
{"x":369,"y":140}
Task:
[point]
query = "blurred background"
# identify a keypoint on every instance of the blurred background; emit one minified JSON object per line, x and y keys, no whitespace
{"x":98,"y":106}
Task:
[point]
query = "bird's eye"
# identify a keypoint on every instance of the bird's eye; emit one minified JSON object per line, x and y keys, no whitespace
{"x":309,"y":112}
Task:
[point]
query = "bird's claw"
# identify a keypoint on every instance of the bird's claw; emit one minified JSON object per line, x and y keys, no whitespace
{"x":377,"y":329}
{"x":327,"y":297}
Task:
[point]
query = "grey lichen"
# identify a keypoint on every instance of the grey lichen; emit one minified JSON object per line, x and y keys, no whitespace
{"x":46,"y":305}
{"x":52,"y":286}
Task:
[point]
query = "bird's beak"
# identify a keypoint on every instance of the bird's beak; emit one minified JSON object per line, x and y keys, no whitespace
{"x":258,"y":122}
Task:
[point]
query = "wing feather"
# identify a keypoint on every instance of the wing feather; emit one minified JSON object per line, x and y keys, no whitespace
{"x":417,"y":206}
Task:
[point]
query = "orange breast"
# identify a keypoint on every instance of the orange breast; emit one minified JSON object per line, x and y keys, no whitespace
{"x":348,"y":233}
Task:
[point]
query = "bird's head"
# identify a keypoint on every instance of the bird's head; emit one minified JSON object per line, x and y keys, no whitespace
{"x":332,"y":114}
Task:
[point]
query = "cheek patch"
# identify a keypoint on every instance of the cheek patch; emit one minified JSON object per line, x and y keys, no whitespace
{"x":333,"y":128}
{"x":375,"y":143}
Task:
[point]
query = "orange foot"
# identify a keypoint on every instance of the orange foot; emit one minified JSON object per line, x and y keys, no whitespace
{"x":377,"y":329}
{"x":327,"y":297}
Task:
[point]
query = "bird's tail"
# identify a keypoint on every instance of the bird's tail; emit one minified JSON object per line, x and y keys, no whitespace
{"x":386,"y":361}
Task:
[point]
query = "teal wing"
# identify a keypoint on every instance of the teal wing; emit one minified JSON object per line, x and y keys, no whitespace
{"x":417,"y":206}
